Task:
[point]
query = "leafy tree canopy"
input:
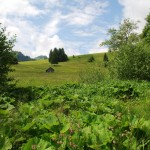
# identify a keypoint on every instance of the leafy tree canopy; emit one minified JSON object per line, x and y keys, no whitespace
{"x":146,"y":30}
{"x":132,"y":56}
{"x":123,"y":35}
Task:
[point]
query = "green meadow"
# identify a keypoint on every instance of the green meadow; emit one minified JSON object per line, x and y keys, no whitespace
{"x":33,"y":73}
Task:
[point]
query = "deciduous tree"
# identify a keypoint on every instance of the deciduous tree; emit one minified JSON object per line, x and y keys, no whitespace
{"x":132,"y":56}
{"x":123,"y":35}
{"x":146,"y":30}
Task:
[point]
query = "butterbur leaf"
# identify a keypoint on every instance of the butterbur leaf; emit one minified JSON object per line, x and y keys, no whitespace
{"x":28,"y":126}
{"x":86,"y":132}
{"x":4,"y":112}
{"x":37,"y":144}
{"x":5,"y":143}
{"x":49,"y":121}
{"x":65,"y":128}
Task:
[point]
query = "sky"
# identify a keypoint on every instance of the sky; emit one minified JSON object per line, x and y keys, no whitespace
{"x":78,"y":26}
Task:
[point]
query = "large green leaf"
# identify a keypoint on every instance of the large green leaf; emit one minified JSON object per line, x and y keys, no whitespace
{"x":65,"y":128}
{"x":37,"y":144}
{"x":28,"y":125}
{"x":5,"y":143}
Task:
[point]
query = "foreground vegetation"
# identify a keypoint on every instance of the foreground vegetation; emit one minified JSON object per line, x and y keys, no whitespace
{"x":103,"y":110}
{"x":106,"y":115}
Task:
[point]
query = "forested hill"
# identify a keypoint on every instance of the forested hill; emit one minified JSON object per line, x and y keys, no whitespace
{"x":21,"y":57}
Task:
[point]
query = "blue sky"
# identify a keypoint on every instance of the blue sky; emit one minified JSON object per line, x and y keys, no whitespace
{"x":79,"y":26}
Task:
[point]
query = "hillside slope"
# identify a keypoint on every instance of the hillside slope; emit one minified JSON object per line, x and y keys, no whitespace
{"x":33,"y":73}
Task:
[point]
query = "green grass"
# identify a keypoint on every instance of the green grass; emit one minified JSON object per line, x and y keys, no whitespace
{"x":32,"y":73}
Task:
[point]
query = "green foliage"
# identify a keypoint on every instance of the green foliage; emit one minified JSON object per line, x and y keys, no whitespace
{"x":132,"y":62}
{"x":122,"y":36}
{"x":146,"y":30}
{"x":6,"y":58}
{"x":37,"y":144}
{"x":57,"y":55}
{"x":132,"y":56}
{"x":75,"y":116}
{"x":5,"y":143}
{"x":125,"y":91}
{"x":91,"y":59}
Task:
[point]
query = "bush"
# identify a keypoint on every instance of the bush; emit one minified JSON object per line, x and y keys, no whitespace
{"x":132,"y":62}
{"x":91,"y":59}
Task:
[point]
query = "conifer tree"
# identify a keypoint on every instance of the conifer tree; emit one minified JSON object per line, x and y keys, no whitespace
{"x":57,"y":55}
{"x":6,"y":58}
{"x":105,"y":60}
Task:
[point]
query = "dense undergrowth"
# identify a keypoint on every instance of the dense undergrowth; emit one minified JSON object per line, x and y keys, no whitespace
{"x":102,"y":116}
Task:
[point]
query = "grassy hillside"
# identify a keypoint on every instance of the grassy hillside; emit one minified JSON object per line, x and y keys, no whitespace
{"x":32,"y":73}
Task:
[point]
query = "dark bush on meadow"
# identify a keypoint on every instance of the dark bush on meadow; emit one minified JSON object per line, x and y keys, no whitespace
{"x":91,"y":59}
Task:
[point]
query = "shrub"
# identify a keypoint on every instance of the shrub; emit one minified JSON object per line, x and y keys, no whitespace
{"x":132,"y":62}
{"x":91,"y":59}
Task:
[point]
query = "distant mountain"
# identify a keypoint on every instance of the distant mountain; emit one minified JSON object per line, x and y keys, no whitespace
{"x":41,"y":57}
{"x":21,"y":57}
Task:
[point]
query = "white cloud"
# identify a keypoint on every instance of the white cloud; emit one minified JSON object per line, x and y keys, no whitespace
{"x":92,"y":31}
{"x":43,"y":44}
{"x":83,"y":33}
{"x":31,"y":39}
{"x":78,"y":18}
{"x":137,"y":10}
{"x":50,"y":3}
{"x":72,"y":47}
{"x":86,"y":13}
{"x":96,"y":8}
{"x":97,"y":48}
{"x":17,"y":8}
{"x":51,"y":27}
{"x":22,"y":17}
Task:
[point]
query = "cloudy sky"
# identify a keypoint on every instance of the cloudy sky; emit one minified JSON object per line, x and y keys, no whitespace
{"x":79,"y":26}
